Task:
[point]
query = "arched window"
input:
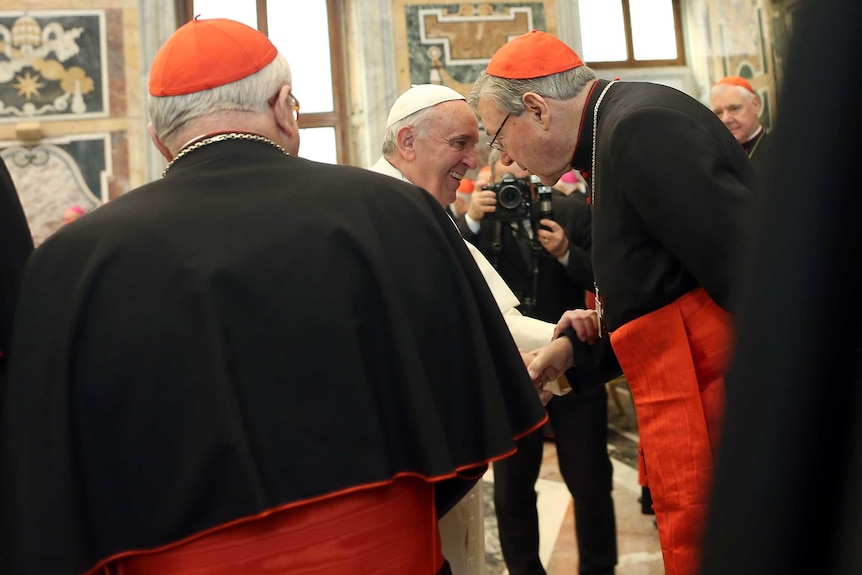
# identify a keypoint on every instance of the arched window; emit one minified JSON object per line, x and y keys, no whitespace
{"x":310,"y":35}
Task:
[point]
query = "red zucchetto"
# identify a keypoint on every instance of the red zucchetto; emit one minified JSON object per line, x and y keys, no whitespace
{"x":466,"y":186}
{"x":204,"y":54}
{"x":737,"y":81}
{"x":532,"y":55}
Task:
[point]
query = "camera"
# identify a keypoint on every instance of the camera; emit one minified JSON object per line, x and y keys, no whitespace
{"x":516,"y":198}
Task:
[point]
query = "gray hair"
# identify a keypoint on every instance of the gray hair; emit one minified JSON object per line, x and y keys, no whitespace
{"x":419,"y":121}
{"x":250,"y":94}
{"x":506,"y":93}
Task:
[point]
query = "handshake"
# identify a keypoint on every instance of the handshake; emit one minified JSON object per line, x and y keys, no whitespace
{"x":547,"y":365}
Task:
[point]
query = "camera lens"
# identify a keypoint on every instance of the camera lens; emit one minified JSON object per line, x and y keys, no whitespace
{"x":509,"y":197}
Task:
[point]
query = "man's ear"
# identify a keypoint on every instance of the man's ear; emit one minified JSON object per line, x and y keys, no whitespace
{"x":406,"y":140}
{"x":536,"y":107}
{"x":160,"y":146}
{"x":282,"y":107}
{"x":758,"y":107}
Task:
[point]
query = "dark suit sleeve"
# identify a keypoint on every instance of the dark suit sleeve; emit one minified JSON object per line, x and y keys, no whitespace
{"x":573,"y":215}
{"x":594,"y":364}
{"x":466,"y":232}
{"x":15,"y":247}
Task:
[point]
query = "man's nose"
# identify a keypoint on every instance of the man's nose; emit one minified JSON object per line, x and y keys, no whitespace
{"x":470,"y":159}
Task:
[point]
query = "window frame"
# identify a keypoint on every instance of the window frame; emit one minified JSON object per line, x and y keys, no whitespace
{"x":630,"y":61}
{"x":338,"y":118}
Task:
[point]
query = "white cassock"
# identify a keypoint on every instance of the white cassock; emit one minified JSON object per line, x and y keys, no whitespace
{"x":462,"y":529}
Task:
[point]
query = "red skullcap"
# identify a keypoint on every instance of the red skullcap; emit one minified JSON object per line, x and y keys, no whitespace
{"x":204,"y":54}
{"x":737,"y":81}
{"x":532,"y":55}
{"x":466,"y":186}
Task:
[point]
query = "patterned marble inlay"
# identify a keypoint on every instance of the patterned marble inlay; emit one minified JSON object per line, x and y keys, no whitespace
{"x":57,"y":174}
{"x":451,"y":44}
{"x":52,"y":65}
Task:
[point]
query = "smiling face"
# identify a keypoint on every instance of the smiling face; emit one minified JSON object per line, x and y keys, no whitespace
{"x":738,"y":109}
{"x":441,"y":150}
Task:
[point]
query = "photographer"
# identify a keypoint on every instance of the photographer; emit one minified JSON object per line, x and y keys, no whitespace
{"x":550,"y":271}
{"x":561,"y":252}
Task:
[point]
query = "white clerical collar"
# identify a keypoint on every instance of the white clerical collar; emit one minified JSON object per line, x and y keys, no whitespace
{"x":755,"y":134}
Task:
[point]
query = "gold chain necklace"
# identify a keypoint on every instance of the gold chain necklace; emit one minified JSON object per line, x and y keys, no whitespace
{"x":599,"y":304}
{"x":595,"y":129}
{"x":757,"y":143}
{"x":220,"y":138}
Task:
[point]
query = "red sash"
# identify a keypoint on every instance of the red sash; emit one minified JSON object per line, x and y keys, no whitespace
{"x":674,"y":359}
{"x":386,"y":530}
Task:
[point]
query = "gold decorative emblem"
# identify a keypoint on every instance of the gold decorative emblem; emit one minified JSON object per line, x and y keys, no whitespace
{"x":35,"y":59}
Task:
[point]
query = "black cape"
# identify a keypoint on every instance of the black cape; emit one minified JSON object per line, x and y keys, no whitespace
{"x":16,"y":243}
{"x":787,"y":485}
{"x":250,"y":331}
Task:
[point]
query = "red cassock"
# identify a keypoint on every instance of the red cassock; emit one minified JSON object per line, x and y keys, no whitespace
{"x":674,"y":359}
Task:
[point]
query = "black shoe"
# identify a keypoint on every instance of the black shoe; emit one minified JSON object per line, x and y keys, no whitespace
{"x":646,"y":501}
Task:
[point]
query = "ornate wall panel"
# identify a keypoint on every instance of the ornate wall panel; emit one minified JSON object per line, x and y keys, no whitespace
{"x":72,"y":125}
{"x":450,"y":43}
{"x":53,"y":66}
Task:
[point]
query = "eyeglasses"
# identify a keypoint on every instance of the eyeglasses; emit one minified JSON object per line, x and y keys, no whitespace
{"x":272,"y":101}
{"x":493,"y":144}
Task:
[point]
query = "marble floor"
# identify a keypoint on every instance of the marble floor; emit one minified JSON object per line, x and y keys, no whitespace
{"x":637,"y":538}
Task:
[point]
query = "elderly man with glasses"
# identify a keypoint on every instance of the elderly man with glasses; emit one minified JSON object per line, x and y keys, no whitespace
{"x":670,"y":196}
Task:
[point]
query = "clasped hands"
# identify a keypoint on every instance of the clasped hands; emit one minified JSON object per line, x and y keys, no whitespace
{"x":548,"y":363}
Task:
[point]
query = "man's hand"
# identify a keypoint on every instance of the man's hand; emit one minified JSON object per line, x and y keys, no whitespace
{"x":483,"y":202}
{"x":585,"y":322}
{"x":554,"y":239}
{"x":528,"y":357}
{"x":550,"y":361}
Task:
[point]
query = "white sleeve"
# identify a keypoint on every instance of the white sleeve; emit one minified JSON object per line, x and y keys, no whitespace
{"x":528,"y":333}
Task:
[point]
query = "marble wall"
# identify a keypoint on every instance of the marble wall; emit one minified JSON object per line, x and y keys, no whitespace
{"x":72,"y":124}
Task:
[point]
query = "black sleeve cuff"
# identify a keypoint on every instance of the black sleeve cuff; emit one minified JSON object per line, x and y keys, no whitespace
{"x":594,"y":364}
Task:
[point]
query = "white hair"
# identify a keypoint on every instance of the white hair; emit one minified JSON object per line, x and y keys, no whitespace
{"x":419,"y":121}
{"x":507,"y":93}
{"x":251,"y":94}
